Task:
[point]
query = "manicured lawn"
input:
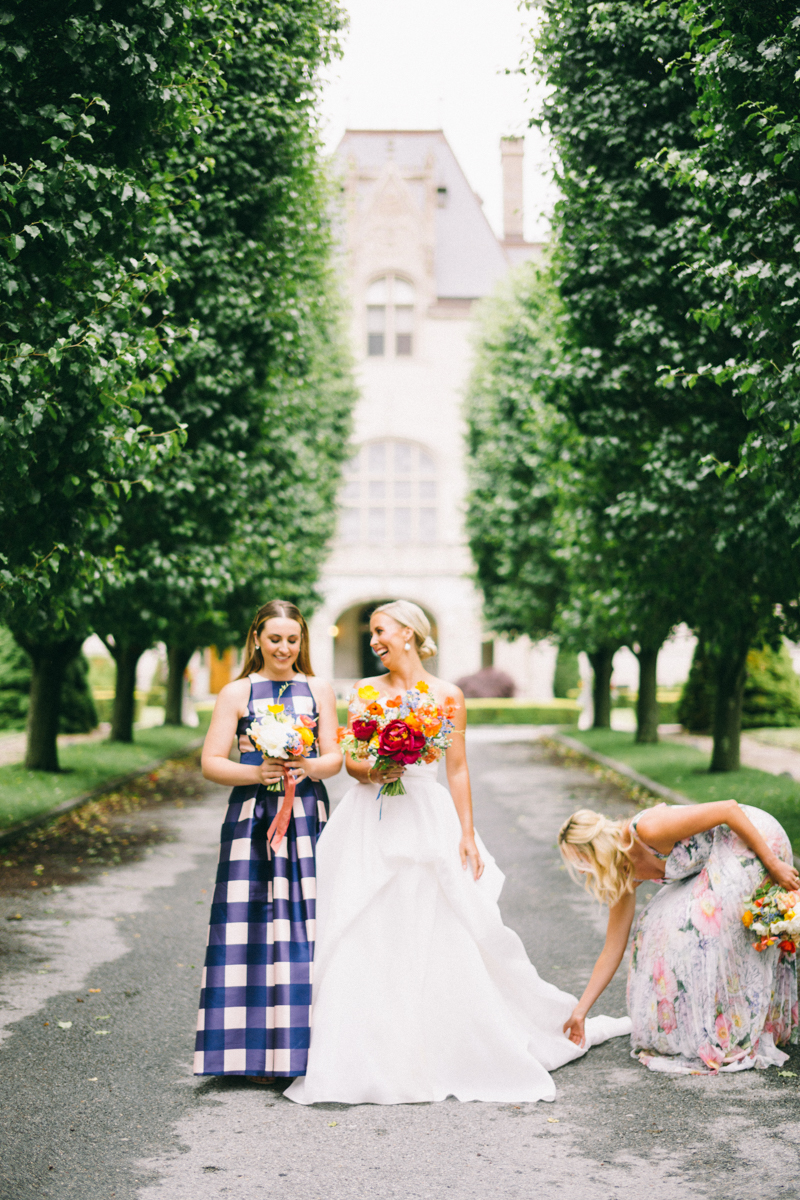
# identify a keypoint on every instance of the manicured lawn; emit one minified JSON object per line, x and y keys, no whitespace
{"x":686,"y":770}
{"x":85,"y":767}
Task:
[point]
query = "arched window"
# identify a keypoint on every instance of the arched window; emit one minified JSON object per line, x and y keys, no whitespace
{"x":390,"y":317}
{"x":389,"y":495}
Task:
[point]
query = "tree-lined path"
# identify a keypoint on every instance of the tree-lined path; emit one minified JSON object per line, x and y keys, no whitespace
{"x":107,"y":1107}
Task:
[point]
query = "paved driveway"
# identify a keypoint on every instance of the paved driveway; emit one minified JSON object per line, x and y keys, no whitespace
{"x":98,"y":999}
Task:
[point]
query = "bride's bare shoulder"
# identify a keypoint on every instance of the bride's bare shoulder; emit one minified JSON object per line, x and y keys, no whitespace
{"x":444,"y":690}
{"x":369,"y":681}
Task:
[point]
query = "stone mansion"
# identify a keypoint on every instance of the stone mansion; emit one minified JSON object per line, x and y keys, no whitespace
{"x":418,"y":255}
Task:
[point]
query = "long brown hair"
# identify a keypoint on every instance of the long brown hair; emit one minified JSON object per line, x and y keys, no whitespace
{"x":254,"y":659}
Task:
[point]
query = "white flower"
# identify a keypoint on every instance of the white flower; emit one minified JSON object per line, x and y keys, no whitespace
{"x":792,"y":928}
{"x":759,"y":927}
{"x":271,"y":737}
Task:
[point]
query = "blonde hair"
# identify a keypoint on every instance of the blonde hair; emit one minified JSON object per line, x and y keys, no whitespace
{"x":254,"y":659}
{"x":594,"y":847}
{"x":411,"y":616}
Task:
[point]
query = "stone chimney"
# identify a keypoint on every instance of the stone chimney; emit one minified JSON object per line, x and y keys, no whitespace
{"x":511,"y":151}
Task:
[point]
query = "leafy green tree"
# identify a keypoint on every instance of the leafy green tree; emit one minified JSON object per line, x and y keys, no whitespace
{"x":514,"y":442}
{"x":744,"y":170}
{"x":88,"y":96}
{"x":264,"y":388}
{"x":717,"y":556}
{"x":539,"y":532}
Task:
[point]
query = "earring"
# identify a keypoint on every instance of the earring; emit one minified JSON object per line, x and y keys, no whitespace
{"x":407,"y":646}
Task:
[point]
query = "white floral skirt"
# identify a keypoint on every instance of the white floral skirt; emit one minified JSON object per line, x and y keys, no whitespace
{"x":700,"y":997}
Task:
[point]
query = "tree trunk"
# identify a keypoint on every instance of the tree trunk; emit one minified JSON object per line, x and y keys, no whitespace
{"x":601,"y":661}
{"x":729,"y":673}
{"x":178,"y":659}
{"x":126,"y":657}
{"x":49,"y":665}
{"x":647,"y":702}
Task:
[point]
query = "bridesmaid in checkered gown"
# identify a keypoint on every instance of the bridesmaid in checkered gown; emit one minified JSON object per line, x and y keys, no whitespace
{"x":255,"y":1002}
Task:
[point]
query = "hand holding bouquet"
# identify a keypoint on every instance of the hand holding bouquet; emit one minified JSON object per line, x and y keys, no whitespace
{"x":404,"y":730}
{"x":278,"y":735}
{"x":773,"y":915}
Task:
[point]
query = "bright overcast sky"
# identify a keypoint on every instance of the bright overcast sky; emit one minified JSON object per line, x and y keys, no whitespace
{"x":440,"y":64}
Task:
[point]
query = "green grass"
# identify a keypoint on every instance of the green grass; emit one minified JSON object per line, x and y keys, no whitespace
{"x":86,"y":766}
{"x":685,"y":770}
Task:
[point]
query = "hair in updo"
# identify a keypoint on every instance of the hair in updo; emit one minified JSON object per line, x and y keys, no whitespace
{"x":411,"y":616}
{"x":594,"y":847}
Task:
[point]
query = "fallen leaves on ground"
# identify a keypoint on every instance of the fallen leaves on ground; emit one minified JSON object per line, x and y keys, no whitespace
{"x":115,"y":828}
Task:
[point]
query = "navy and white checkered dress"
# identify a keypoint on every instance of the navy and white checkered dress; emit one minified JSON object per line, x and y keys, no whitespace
{"x":255,"y":1002}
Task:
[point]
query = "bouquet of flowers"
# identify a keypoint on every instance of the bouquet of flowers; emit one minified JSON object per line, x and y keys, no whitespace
{"x":773,"y":915}
{"x":405,"y":729}
{"x":278,"y":735}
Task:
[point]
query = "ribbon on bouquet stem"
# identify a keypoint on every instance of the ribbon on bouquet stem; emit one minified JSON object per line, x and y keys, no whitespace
{"x":280,"y":822}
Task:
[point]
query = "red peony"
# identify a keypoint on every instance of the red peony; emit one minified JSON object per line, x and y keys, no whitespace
{"x":364,"y":729}
{"x":401,"y":743}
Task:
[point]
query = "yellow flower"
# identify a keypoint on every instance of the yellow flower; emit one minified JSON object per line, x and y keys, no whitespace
{"x":306,"y":736}
{"x":275,"y":708}
{"x":422,"y":686}
{"x":368,"y":693}
{"x":747,"y":918}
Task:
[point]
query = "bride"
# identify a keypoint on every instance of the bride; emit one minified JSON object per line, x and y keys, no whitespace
{"x":420,"y":992}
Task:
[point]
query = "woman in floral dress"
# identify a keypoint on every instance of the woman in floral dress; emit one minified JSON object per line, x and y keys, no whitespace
{"x":701,"y":998}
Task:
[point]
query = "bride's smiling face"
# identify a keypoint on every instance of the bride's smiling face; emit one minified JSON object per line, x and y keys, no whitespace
{"x":279,"y":642}
{"x":389,"y":639}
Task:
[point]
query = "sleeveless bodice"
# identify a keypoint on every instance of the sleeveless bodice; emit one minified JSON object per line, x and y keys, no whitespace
{"x":687,"y":857}
{"x":294,"y":694}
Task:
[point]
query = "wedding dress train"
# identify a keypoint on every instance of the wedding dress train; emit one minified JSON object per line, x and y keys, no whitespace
{"x":420,"y":992}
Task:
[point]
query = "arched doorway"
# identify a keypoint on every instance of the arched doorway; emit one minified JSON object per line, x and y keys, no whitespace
{"x":352,"y":654}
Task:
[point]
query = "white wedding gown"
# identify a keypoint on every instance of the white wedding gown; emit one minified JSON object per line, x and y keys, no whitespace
{"x":420,"y":992}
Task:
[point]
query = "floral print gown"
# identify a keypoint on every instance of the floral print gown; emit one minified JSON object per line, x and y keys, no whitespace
{"x":700,"y":997}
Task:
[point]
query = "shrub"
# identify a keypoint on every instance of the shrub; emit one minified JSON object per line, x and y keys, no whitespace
{"x":567,"y":677}
{"x":771,"y":691}
{"x":78,"y":713}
